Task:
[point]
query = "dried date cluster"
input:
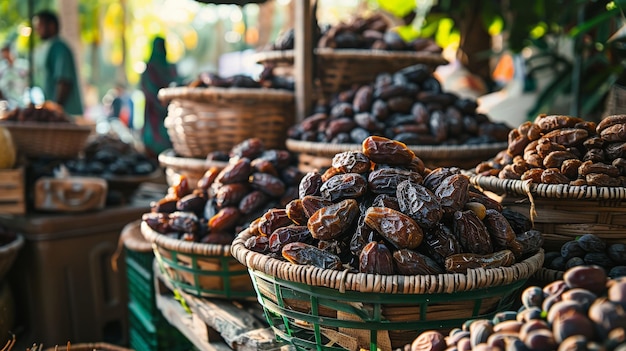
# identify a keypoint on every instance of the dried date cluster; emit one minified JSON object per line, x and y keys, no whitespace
{"x":584,"y":311}
{"x":564,"y":150}
{"x":589,"y":249}
{"x":226,"y":200}
{"x":408,"y":106}
{"x":47,"y":112}
{"x":360,"y":33}
{"x":380,"y":211}
{"x":267,"y":79}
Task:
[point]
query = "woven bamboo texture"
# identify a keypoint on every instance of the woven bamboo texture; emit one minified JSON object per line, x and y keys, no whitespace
{"x":340,"y":69}
{"x":544,"y":276}
{"x":314,"y":155}
{"x":563,"y":212}
{"x":333,"y":310}
{"x":200,"y":269}
{"x":8,"y":254}
{"x":58,"y":140}
{"x":192,"y":168}
{"x":201,"y":120}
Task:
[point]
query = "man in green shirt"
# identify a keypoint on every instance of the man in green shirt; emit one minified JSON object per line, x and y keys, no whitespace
{"x":60,"y":80}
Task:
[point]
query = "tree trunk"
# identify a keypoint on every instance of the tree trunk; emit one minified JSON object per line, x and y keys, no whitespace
{"x":473,"y":52}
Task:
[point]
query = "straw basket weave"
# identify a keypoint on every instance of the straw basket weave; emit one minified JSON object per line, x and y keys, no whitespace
{"x":562,"y":212}
{"x":314,"y":155}
{"x":192,"y":168}
{"x":199,"y":269}
{"x":545,"y":276}
{"x":37,"y":139}
{"x":201,"y":120}
{"x":8,"y":254}
{"x":314,"y":308}
{"x":97,"y":346}
{"x":339,"y":69}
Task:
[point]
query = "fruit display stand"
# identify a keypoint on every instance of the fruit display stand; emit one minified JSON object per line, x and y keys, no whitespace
{"x":63,"y":276}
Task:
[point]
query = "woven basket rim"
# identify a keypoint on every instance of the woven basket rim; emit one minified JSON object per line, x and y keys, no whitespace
{"x":354,"y":54}
{"x":168,"y":158}
{"x":162,"y":241}
{"x":13,"y":246}
{"x":55,"y":126}
{"x":556,"y":191}
{"x":368,"y":282}
{"x":460,"y":151}
{"x":97,"y":346}
{"x":209,"y":94}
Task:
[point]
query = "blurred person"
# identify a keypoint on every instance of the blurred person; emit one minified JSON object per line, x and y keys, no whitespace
{"x":60,"y":80}
{"x":13,"y":78}
{"x":119,"y":105}
{"x":158,"y":74}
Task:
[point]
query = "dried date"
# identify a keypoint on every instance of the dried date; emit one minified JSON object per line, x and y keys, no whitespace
{"x":602,"y":179}
{"x":301,"y":253}
{"x":291,"y":234}
{"x":460,"y":263}
{"x":419,"y":203}
{"x":552,"y":122}
{"x":295,"y":212}
{"x":437,"y":175}
{"x":311,"y":204}
{"x":453,"y":193}
{"x":589,"y":167}
{"x":553,"y":176}
{"x":375,"y":258}
{"x":225,"y":219}
{"x":158,"y":221}
{"x":344,"y":186}
{"x":237,"y":172}
{"x":472,"y":233}
{"x":614,"y":133}
{"x":386,"y":180}
{"x":333,"y":221}
{"x":383,"y":150}
{"x":409,"y":262}
{"x":273,"y":219}
{"x":440,"y":243}
{"x":499,"y":229}
{"x":567,"y":136}
{"x":249,"y":148}
{"x":399,"y":229}
{"x":310,"y":184}
{"x":569,"y":168}
{"x":259,"y":244}
{"x":268,"y":184}
{"x":231,"y":194}
{"x":252,"y":202}
{"x":351,"y":162}
{"x":184,"y":222}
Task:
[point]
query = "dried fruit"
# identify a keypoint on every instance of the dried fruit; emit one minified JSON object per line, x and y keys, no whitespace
{"x":400,"y":229}
{"x":333,"y":220}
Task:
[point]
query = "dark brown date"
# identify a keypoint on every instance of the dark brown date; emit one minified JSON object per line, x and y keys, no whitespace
{"x":375,"y":258}
{"x":383,"y":150}
{"x":386,"y":180}
{"x":556,"y":158}
{"x":295,"y":212}
{"x":249,"y":148}
{"x":192,"y":203}
{"x":208,"y":178}
{"x":252,"y":202}
{"x":398,"y":228}
{"x":363,"y":99}
{"x":552,"y":122}
{"x":218,"y":238}
{"x":231,"y":194}
{"x":301,"y":253}
{"x":164,"y":205}
{"x":472,"y":233}
{"x":263,"y":166}
{"x":569,"y":168}
{"x":329,"y":173}
{"x":311,"y":204}
{"x":332,"y":221}
{"x":545,"y":146}
{"x":184,"y":222}
{"x":499,"y":229}
{"x":531,"y":241}
{"x":589,"y":167}
{"x":409,"y":262}
{"x":553,"y":176}
{"x":460,"y":263}
{"x":610,"y":121}
{"x":310,"y":184}
{"x":273,"y":219}
{"x":534,"y":175}
{"x":453,"y":193}
{"x":567,"y":136}
{"x":351,"y":162}
{"x":225,"y":219}
{"x":158,"y":221}
{"x":601,"y":179}
{"x":440,"y":243}
{"x":344,"y":186}
{"x":362,"y":236}
{"x":291,"y":234}
{"x":437,"y":175}
{"x":180,"y":188}
{"x":237,"y":172}
{"x":615,"y":150}
{"x":419,"y":203}
{"x":268,"y":184}
{"x":489,"y":203}
{"x":259,"y":244}
{"x":614,"y":133}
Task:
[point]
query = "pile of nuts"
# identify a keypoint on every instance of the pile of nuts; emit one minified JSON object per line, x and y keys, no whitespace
{"x":584,"y":311}
{"x":564,"y":150}
{"x":226,"y":200}
{"x":408,"y":106}
{"x":589,"y":249}
{"x":381,"y":211}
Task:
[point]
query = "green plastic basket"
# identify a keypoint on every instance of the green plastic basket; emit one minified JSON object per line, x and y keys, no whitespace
{"x":320,"y":309}
{"x":206,"y":270}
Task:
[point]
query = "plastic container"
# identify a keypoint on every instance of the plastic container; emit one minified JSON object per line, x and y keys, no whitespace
{"x":64,"y":285}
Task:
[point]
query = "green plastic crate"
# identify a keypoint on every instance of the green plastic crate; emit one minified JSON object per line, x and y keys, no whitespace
{"x":150,"y":334}
{"x":141,"y":286}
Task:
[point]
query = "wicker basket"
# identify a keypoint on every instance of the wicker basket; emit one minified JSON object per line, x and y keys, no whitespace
{"x":201,"y":120}
{"x":8,"y":254}
{"x":58,"y":140}
{"x":314,"y":155}
{"x":545,"y":276}
{"x":340,"y":69}
{"x":192,"y":168}
{"x":200,"y":269}
{"x":314,"y":308}
{"x":562,"y":212}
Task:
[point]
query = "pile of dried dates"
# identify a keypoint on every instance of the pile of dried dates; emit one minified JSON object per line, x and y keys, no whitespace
{"x":558,"y":149}
{"x":380,"y":211}
{"x":371,"y":32}
{"x":584,"y":311}
{"x":107,"y":156}
{"x":408,"y":106}
{"x":267,"y":79}
{"x":47,"y":112}
{"x":589,"y":249}
{"x":226,"y":200}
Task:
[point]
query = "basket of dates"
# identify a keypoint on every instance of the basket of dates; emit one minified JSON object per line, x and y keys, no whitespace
{"x":566,"y":174}
{"x":378,"y":247}
{"x":191,"y":230}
